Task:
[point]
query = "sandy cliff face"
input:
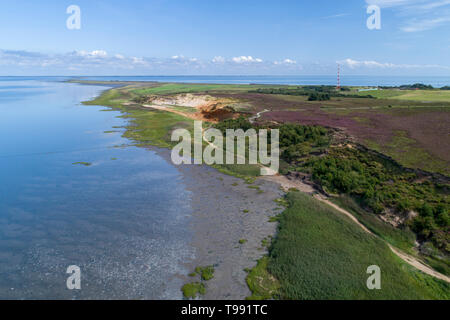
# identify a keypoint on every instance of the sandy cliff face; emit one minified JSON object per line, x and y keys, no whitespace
{"x":208,"y":108}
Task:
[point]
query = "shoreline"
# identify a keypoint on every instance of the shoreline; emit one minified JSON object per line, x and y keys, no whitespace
{"x":226,"y":218}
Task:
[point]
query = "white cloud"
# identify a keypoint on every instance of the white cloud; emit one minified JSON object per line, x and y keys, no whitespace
{"x":101,"y":62}
{"x":246,"y":59}
{"x":286,"y":62}
{"x":428,"y":5}
{"x":354,"y":64}
{"x":218,"y":59}
{"x":94,"y":54}
{"x":423,"y":25}
{"x":339,"y":15}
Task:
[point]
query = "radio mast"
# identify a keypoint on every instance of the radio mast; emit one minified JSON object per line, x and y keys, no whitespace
{"x":339,"y":78}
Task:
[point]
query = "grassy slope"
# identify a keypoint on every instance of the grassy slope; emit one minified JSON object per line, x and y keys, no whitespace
{"x":426,"y":95}
{"x":320,"y":254}
{"x":412,"y":95}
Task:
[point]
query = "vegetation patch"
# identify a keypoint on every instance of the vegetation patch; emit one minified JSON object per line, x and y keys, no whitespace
{"x":86,"y":164}
{"x":261,"y":283}
{"x":206,"y":273}
{"x":193,"y":290}
{"x":380,"y":184}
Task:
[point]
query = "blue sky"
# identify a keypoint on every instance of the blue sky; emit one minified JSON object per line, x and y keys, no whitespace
{"x":197,"y":37}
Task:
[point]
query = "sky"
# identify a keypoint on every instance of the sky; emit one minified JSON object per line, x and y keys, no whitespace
{"x":206,"y":37}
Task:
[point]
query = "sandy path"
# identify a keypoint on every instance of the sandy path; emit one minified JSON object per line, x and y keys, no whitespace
{"x":257,"y":116}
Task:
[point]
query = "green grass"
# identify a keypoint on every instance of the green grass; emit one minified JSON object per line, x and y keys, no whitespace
{"x":86,"y":164}
{"x":243,"y":241}
{"x":176,"y":88}
{"x":146,"y":126}
{"x":409,"y":95}
{"x":206,"y":273}
{"x":261,"y":283}
{"x":380,"y":94}
{"x":193,"y":290}
{"x":321,"y":254}
{"x":425,"y":95}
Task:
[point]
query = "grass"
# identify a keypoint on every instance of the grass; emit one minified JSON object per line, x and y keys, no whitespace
{"x":243,"y":241}
{"x":146,"y":126}
{"x":254,"y":187}
{"x":380,"y":94}
{"x":206,"y":273}
{"x":425,"y":95}
{"x":175,"y":88}
{"x":193,"y":290}
{"x":86,"y":164}
{"x":409,"y":95}
{"x":261,"y":283}
{"x":407,"y":152}
{"x":321,"y":254}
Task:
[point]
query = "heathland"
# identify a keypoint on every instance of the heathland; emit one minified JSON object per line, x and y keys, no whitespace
{"x":382,"y":154}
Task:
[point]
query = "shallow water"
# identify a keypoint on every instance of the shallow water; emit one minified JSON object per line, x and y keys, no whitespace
{"x":121,"y":221}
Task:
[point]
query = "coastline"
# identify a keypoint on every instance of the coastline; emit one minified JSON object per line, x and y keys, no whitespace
{"x":226,"y":217}
{"x":220,"y":286}
{"x":241,"y":212}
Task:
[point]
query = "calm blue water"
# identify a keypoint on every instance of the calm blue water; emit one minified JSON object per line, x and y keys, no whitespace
{"x":122,"y":221}
{"x":290,"y":80}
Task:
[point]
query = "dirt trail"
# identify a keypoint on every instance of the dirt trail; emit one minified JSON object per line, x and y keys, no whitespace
{"x":257,"y":116}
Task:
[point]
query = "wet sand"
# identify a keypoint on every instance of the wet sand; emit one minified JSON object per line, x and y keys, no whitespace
{"x":220,"y":219}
